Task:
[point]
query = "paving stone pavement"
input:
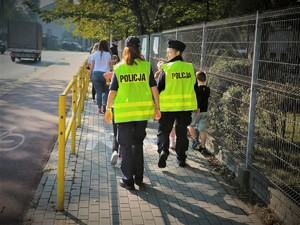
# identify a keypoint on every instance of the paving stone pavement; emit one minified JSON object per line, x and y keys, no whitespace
{"x":173,"y":195}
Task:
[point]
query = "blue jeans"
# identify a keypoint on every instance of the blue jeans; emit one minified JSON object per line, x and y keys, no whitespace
{"x":101,"y":88}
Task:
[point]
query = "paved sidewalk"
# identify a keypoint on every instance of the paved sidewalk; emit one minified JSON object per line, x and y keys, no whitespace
{"x":173,"y":195}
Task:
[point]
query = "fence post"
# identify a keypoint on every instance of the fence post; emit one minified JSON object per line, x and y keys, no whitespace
{"x":61,"y":152}
{"x":255,"y":67}
{"x":80,"y":100}
{"x":86,"y":87}
{"x":203,"y":47}
{"x":74,"y":112}
{"x":84,"y":90}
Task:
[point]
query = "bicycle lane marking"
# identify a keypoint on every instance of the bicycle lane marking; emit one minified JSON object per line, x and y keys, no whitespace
{"x":10,"y":141}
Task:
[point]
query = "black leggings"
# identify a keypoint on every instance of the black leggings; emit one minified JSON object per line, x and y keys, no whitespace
{"x":115,"y":144}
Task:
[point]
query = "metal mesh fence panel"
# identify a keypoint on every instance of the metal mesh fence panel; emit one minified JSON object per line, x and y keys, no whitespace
{"x":192,"y":37}
{"x":225,"y":50}
{"x":277,"y":128}
{"x":228,"y":62}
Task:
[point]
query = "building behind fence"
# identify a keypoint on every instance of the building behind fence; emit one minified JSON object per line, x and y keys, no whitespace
{"x":253,"y":68}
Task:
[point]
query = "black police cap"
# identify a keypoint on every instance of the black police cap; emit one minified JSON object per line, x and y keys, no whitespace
{"x":178,"y":45}
{"x":132,"y":41}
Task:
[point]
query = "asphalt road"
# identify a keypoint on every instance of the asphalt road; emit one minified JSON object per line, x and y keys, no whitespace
{"x":28,"y":124}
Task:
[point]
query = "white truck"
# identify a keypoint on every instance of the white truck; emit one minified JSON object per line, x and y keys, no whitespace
{"x":24,"y":40}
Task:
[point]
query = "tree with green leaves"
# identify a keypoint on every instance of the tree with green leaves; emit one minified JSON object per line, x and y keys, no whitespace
{"x":100,"y":18}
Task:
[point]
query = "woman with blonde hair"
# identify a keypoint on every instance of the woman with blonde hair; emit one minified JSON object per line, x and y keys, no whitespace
{"x":94,"y":48}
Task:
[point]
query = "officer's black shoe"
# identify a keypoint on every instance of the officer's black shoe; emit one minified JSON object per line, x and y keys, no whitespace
{"x":162,"y":159}
{"x":181,"y":163}
{"x":138,"y":181}
{"x":127,"y":184}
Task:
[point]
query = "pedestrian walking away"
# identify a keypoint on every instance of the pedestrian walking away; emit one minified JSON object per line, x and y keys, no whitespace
{"x":197,"y":128}
{"x":134,"y":94}
{"x":177,"y":87}
{"x":116,"y":154}
{"x":93,"y":50}
{"x":172,"y":133}
{"x":101,"y":63}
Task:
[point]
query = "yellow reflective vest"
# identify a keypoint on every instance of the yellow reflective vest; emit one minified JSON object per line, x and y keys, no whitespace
{"x":133,"y":101}
{"x":179,"y":93}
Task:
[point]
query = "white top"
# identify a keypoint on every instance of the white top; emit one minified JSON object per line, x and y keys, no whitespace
{"x":90,"y":59}
{"x":101,"y":62}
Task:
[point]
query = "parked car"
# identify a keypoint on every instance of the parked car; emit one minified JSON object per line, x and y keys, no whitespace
{"x":71,"y":46}
{"x":2,"y":47}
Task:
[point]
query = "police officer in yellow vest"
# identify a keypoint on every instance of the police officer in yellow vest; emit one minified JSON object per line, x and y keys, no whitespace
{"x":135,"y":96}
{"x":177,"y":87}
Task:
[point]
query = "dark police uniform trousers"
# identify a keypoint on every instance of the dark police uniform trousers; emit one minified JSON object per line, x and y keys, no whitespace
{"x":131,"y":137}
{"x":183,"y":119}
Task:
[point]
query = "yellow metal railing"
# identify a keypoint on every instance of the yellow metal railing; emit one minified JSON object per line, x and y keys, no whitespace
{"x":79,"y":86}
